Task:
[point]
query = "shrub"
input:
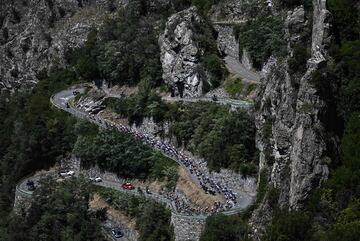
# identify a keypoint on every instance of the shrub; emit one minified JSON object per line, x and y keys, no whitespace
{"x":224,"y":228}
{"x":204,"y":6}
{"x":125,"y":156}
{"x":216,"y":69}
{"x":152,"y":218}
{"x":263,"y":37}
{"x":234,"y":87}
{"x":205,"y":36}
{"x":298,"y":62}
{"x":289,"y":225}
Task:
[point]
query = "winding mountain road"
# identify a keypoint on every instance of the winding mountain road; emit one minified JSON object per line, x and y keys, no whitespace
{"x":241,"y":104}
{"x":235,"y":103}
{"x":61,"y":100}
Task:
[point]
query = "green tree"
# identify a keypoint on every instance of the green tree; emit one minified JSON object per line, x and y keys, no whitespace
{"x":289,"y":226}
{"x":220,"y":227}
{"x":59,"y":211}
{"x":263,"y":37}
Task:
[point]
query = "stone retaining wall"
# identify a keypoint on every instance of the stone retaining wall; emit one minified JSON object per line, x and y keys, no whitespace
{"x":187,"y":229}
{"x":22,"y":201}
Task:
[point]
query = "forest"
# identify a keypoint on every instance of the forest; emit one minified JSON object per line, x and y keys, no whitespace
{"x":224,"y":138}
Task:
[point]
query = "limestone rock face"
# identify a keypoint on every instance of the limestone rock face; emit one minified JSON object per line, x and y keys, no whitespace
{"x":227,"y":43}
{"x":292,"y":136}
{"x":180,"y":55}
{"x":35,"y":34}
{"x":229,"y":10}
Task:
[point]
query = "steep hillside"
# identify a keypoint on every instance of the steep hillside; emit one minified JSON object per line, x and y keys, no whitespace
{"x":223,"y":92}
{"x":35,"y":35}
{"x":295,"y":146}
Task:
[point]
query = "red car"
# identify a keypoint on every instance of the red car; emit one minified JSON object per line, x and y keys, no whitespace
{"x":128,"y":186}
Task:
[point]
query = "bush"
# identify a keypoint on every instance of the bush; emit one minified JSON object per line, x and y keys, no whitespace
{"x":263,"y":37}
{"x":346,"y":17}
{"x":297,"y":64}
{"x":234,"y":87}
{"x":125,"y":156}
{"x":224,"y":138}
{"x":59,"y":211}
{"x":127,"y":51}
{"x":295,"y":3}
{"x":205,"y":36}
{"x":138,"y":106}
{"x":289,"y":225}
{"x":348,"y":70}
{"x":220,"y":227}
{"x":216,"y":70}
{"x":152,"y":218}
{"x":33,"y":135}
{"x":204,"y":6}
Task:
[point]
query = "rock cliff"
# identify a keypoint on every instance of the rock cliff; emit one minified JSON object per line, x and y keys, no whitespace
{"x":180,"y":55}
{"x":291,"y":136}
{"x":35,"y":34}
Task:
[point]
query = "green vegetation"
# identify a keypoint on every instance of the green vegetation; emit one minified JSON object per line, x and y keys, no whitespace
{"x":33,"y":134}
{"x":224,"y":138}
{"x":59,"y":211}
{"x":204,"y":6}
{"x":263,"y":37}
{"x":127,"y":51}
{"x":346,"y":19}
{"x":348,"y":70}
{"x":346,"y":50}
{"x":152,"y":218}
{"x":234,"y":87}
{"x":146,"y":103}
{"x":333,"y":211}
{"x":297,"y":64}
{"x":216,"y":69}
{"x":205,"y":35}
{"x":234,"y":228}
{"x":125,"y":156}
{"x":220,"y":227}
{"x":294,"y":226}
{"x":295,"y":3}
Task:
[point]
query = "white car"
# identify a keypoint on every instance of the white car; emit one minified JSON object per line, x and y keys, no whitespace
{"x":96,"y":179}
{"x":66,"y":173}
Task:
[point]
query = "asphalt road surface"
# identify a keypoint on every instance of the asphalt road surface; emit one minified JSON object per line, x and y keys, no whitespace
{"x":237,"y":68}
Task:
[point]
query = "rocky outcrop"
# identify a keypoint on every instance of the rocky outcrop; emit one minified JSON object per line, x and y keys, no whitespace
{"x":91,"y":101}
{"x":246,"y":60}
{"x":227,"y":43}
{"x":228,"y":46}
{"x":181,"y":54}
{"x":230,"y":10}
{"x":291,"y":135}
{"x":35,"y":35}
